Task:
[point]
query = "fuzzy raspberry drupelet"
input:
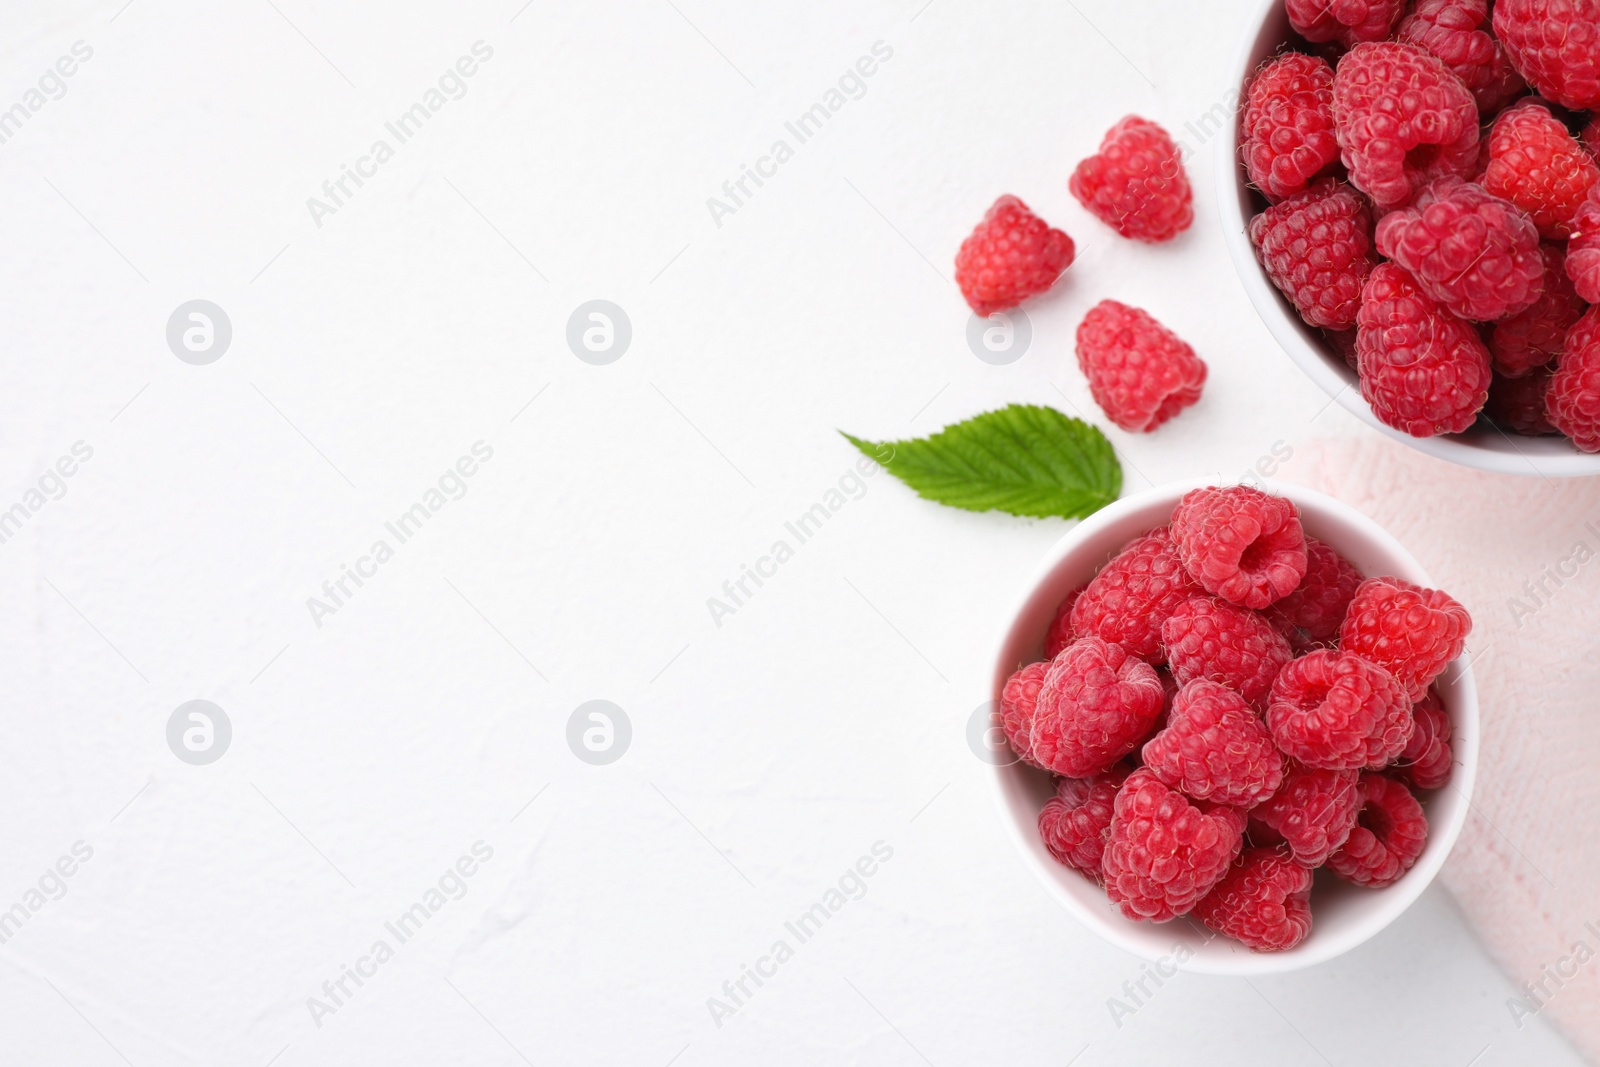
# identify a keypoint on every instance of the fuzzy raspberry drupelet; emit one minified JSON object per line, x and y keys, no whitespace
{"x":1140,"y":373}
{"x":1221,"y":642}
{"x":1424,"y":370}
{"x":1427,"y":761}
{"x":1095,"y":705}
{"x":1411,"y":632}
{"x":1316,"y":247}
{"x":1133,"y":595}
{"x":1518,"y":404}
{"x":1402,"y":119}
{"x":1240,"y":544}
{"x":1458,"y":32}
{"x":1345,"y":21}
{"x":1312,"y":613}
{"x":1136,"y":183}
{"x":1312,"y":812}
{"x":1336,"y":710}
{"x":1573,"y":400}
{"x":1535,"y":163}
{"x":1011,"y":255}
{"x":1215,"y":748}
{"x":1288,"y":124}
{"x":1059,"y":635}
{"x":1018,"y":704}
{"x":1163,"y":852}
{"x":1264,"y":901}
{"x":1472,"y":251}
{"x":1583,"y":251}
{"x":1556,"y":46}
{"x":1532,"y":338}
{"x":1074,"y":822}
{"x":1591,"y":137}
{"x":1389,"y":835}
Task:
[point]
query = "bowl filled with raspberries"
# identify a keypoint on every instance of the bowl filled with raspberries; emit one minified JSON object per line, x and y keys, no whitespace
{"x":1240,"y":730}
{"x":1411,"y":196}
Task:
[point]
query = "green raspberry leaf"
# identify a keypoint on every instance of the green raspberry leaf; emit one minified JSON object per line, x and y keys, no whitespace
{"x":1022,"y":459}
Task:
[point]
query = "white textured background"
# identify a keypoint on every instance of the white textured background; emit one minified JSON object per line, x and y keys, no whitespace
{"x":769,"y":753}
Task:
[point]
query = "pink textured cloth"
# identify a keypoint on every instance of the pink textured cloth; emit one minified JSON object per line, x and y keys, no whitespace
{"x":1523,"y":555}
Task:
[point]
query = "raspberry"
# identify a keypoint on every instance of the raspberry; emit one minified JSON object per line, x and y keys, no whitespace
{"x":1317,"y":249}
{"x":1343,"y":342}
{"x":1059,"y":635}
{"x":1288,"y":124}
{"x":1555,"y":44}
{"x":1215,"y":748}
{"x":1389,"y":835}
{"x":1540,"y":167}
{"x":1164,"y":853}
{"x":1095,"y":705}
{"x":1591,"y":136}
{"x":1132,"y":596}
{"x":1473,"y":252}
{"x":1345,"y":21}
{"x":1518,"y":404}
{"x":1426,"y":761}
{"x":1223,"y":643}
{"x":1312,"y":613}
{"x":1583,"y":251}
{"x":1312,"y":812}
{"x":1532,"y":338}
{"x":1074,"y":822}
{"x":1410,"y":631}
{"x":1240,"y":544}
{"x":1457,"y":31}
{"x":1573,"y":402}
{"x":1011,"y":255}
{"x":1018,"y":703}
{"x":1264,"y":901}
{"x":1339,"y":711}
{"x":1423,"y":370}
{"x":1402,"y":119}
{"x":1136,"y":184}
{"x":1140,"y":373}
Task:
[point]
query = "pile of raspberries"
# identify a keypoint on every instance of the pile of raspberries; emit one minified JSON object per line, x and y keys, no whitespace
{"x":1432,"y":204}
{"x":1229,"y":705}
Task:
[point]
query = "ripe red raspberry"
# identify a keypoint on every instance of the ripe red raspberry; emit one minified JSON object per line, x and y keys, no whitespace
{"x":1458,"y":32}
{"x":1583,"y":251}
{"x":1018,"y":703}
{"x":1059,"y":635}
{"x":1591,"y":137}
{"x":1240,"y":544}
{"x":1343,"y":342}
{"x":1312,"y":812}
{"x":1532,"y":338}
{"x":1402,"y":119}
{"x":1345,"y":21}
{"x":1411,"y":632}
{"x":1540,"y":167}
{"x":1140,"y":373}
{"x":1423,"y":370}
{"x":1215,"y":748}
{"x":1556,"y":46}
{"x":1518,"y":404}
{"x":1426,"y":762}
{"x":1074,"y":822}
{"x":1473,"y":252}
{"x":1163,"y":853}
{"x":1389,"y":835}
{"x":1224,"y":643}
{"x":1339,"y":711}
{"x":1288,"y":124}
{"x":1264,"y":901}
{"x":1317,"y":249}
{"x":1011,"y":255}
{"x":1132,"y":596}
{"x":1573,"y":400}
{"x":1096,"y":704}
{"x":1312,"y":613}
{"x":1136,"y":184}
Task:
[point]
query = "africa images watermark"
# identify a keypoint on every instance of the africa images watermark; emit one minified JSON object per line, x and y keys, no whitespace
{"x":1538,"y":588}
{"x":1553,"y":977}
{"x":51,"y":485}
{"x":52,"y":85}
{"x":52,"y":886}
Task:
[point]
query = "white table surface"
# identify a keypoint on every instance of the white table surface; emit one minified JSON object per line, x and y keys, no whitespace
{"x":429,"y":711}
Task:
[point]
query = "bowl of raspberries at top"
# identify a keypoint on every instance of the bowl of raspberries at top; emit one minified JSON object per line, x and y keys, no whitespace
{"x":1240,"y":731}
{"x":1411,"y":196}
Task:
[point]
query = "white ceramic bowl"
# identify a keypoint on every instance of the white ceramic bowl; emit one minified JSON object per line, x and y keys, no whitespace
{"x":1343,"y":915}
{"x":1482,"y":446}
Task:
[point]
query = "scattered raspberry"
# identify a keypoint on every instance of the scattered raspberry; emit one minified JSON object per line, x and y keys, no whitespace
{"x":1426,"y":762}
{"x":1339,"y":711}
{"x":1074,"y":822}
{"x":1556,"y":46}
{"x":1011,"y":255}
{"x":1312,"y":812}
{"x":1018,"y":702}
{"x":1312,"y":613}
{"x":1059,"y":635}
{"x":1240,"y":544}
{"x":1136,"y":184}
{"x":1473,"y":252}
{"x":1540,"y":167}
{"x":1094,"y":707}
{"x":1518,"y":404}
{"x":1288,"y":124}
{"x":1457,"y":31}
{"x":1132,"y":596}
{"x":1583,"y":251}
{"x":1264,"y":901}
{"x":1532,"y":338}
{"x":1573,"y":401}
{"x":1389,"y":835}
{"x":1346,"y":21}
{"x":1317,"y":249}
{"x":1164,"y":853}
{"x":1410,"y":631}
{"x":1140,"y":373}
{"x":1423,"y":370}
{"x":1215,"y":748}
{"x":1402,"y":119}
{"x":1224,"y":643}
